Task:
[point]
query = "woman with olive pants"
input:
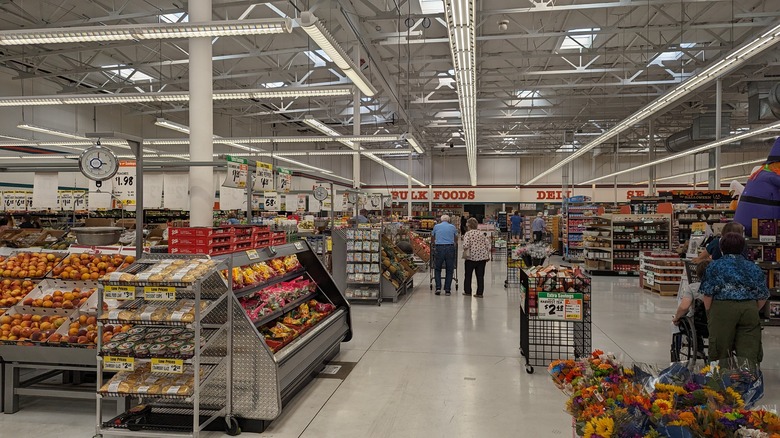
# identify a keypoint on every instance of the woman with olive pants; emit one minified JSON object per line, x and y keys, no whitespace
{"x":734,"y":290}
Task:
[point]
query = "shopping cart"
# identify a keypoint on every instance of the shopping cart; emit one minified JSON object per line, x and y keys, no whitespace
{"x":499,"y":244}
{"x":432,"y":269}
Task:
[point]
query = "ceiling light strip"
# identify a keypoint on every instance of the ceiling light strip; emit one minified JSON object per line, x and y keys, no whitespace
{"x":136,"y":32}
{"x":461,"y":24}
{"x":120,"y":98}
{"x":317,"y":32}
{"x":734,"y":59}
{"x":711,"y":169}
{"x":50,"y":131}
{"x":696,"y":150}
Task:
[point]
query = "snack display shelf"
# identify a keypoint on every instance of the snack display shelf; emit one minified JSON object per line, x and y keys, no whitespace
{"x":137,"y":303}
{"x":208,"y":372}
{"x":288,"y":307}
{"x":208,"y":337}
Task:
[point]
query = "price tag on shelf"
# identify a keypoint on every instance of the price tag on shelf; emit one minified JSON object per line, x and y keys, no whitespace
{"x":113,"y":363}
{"x":252,"y":254}
{"x":298,"y":245}
{"x":651,"y":231}
{"x":156,"y":293}
{"x":173,"y":366}
{"x":649,"y":221}
{"x":767,"y":239}
{"x":560,"y":306}
{"x":119,"y":293}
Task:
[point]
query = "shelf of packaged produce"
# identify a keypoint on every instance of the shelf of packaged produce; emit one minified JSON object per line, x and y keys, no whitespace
{"x":287,"y":307}
{"x":680,"y":268}
{"x":207,"y":338}
{"x":209,"y":372}
{"x":258,"y":287}
{"x":138,"y":302}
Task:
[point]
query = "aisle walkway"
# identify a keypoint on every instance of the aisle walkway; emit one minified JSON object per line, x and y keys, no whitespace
{"x":437,"y":366}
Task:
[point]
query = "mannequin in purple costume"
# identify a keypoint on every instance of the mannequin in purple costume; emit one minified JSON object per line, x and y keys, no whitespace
{"x":761,"y":198}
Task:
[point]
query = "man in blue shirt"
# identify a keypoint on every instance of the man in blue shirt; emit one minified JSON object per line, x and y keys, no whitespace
{"x":444,"y":235}
{"x":516,"y":223}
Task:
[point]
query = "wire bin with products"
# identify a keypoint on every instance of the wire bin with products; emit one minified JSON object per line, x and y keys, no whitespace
{"x":514,"y":265}
{"x":555,"y":315}
{"x":362,"y":264}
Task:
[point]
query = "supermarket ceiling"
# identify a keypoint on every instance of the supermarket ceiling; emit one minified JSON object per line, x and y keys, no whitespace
{"x":551,"y":74}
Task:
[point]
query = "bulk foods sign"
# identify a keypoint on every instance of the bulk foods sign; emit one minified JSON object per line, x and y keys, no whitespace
{"x":506,"y":194}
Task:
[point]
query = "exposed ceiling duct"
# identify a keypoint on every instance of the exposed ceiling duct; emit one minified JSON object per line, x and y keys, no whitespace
{"x":702,"y":131}
{"x":763,"y":101}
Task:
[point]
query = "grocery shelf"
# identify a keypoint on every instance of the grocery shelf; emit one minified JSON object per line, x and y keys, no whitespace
{"x":249,"y":290}
{"x":680,"y":268}
{"x":288,"y":307}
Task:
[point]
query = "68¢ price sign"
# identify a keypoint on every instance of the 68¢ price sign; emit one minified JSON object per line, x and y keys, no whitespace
{"x":560,"y":306}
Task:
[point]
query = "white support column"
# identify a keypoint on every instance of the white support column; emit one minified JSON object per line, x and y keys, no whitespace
{"x":409,"y":183}
{"x":201,"y":120}
{"x":356,"y":120}
{"x":593,"y":173}
{"x":617,"y":163}
{"x":718,"y":126}
{"x":650,"y":157}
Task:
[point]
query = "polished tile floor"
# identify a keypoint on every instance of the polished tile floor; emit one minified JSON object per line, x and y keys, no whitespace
{"x":437,"y":366}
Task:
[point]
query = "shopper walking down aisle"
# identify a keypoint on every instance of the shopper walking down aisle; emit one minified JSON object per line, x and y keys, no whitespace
{"x":476,"y":251}
{"x":538,"y":226}
{"x":734,"y":290}
{"x":712,"y":250}
{"x":446,"y":253}
{"x":516,"y":223}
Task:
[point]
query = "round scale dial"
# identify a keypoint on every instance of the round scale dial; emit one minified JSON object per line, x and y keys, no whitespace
{"x":352,"y":198}
{"x":320,"y":193}
{"x":375,"y":202}
{"x":98,"y":163}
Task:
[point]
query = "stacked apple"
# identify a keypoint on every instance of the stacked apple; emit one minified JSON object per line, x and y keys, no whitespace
{"x":28,"y":327}
{"x":83,"y":331}
{"x":12,"y":291}
{"x":59,"y":299}
{"x":90,"y":266}
{"x":110,"y":330}
{"x":28,"y":264}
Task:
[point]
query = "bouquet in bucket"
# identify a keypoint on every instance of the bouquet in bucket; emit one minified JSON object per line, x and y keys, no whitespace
{"x":608,"y":399}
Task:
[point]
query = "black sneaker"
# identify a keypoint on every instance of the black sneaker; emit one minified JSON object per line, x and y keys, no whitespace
{"x":438,"y":292}
{"x":466,"y":293}
{"x":447,"y":293}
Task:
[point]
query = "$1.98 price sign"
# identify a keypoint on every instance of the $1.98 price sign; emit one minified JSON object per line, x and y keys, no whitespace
{"x":560,"y":306}
{"x":113,"y":363}
{"x":119,"y":293}
{"x":156,"y":293}
{"x":173,"y":366}
{"x":236,"y":172}
{"x":125,"y":182}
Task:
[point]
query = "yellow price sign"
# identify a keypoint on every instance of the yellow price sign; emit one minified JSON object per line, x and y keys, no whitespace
{"x":174,"y":366}
{"x":157,"y":293}
{"x":119,"y":293}
{"x":699,"y":227}
{"x":114,"y":363}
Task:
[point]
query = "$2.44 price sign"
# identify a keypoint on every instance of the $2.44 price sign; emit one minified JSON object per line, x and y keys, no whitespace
{"x":157,"y":293}
{"x":173,"y":366}
{"x":113,"y":363}
{"x":560,"y":306}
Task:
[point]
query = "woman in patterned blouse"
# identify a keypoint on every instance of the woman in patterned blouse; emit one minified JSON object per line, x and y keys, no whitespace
{"x":734,"y":291}
{"x":478,"y":245}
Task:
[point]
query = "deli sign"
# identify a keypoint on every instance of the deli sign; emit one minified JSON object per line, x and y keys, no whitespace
{"x":557,"y":195}
{"x":436,"y":195}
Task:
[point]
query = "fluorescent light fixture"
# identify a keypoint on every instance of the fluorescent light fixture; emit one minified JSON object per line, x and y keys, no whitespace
{"x":178,"y":96}
{"x":393,"y":168}
{"x":412,"y":142}
{"x":304,"y":165}
{"x":711,"y":169}
{"x":269,"y":140}
{"x":579,"y":39}
{"x":50,"y":131}
{"x":461,"y":24}
{"x":140,"y":32}
{"x":732,"y":60}
{"x":325,"y":129}
{"x":317,"y":32}
{"x":692,"y":151}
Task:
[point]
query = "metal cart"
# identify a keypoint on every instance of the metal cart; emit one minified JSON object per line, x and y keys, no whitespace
{"x":499,"y":243}
{"x":514,"y":266}
{"x":432,"y":269}
{"x":554,"y":322}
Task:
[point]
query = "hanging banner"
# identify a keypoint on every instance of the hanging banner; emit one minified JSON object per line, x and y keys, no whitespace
{"x":176,"y":194}
{"x":125,"y":183}
{"x":264,"y":177}
{"x":271,"y":201}
{"x":99,"y":198}
{"x":285,"y":180}
{"x":301,"y":203}
{"x":236,"y":172}
{"x":153,"y":190}
{"x":45,"y":186}
{"x":232,"y":198}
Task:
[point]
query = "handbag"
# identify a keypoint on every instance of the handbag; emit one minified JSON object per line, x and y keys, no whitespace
{"x":466,"y":254}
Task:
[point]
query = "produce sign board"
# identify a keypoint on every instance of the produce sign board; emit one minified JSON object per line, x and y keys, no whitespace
{"x":174,"y":366}
{"x":119,"y":293}
{"x":236,"y":172}
{"x":560,"y":306}
{"x":155,"y":293}
{"x":112,"y":363}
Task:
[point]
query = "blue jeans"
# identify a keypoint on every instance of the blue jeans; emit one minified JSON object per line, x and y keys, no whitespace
{"x":445,"y":255}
